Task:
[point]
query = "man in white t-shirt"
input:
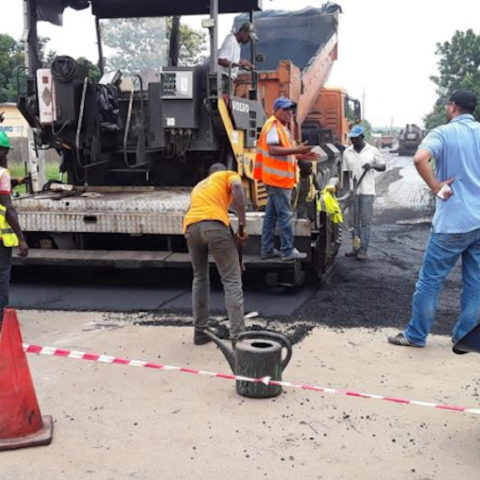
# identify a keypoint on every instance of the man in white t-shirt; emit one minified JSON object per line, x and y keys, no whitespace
{"x":362,"y":159}
{"x":229,"y":53}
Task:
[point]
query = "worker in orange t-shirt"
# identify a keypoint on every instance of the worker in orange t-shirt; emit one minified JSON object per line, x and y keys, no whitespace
{"x":207,"y":230}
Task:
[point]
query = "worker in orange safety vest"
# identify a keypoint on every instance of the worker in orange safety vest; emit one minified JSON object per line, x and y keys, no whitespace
{"x":275,"y":166}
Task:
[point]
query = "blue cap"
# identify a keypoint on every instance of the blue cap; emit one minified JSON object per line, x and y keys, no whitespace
{"x":283,"y":102}
{"x":356,"y":131}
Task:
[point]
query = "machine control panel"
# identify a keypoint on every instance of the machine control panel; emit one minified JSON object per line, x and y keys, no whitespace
{"x":177,"y":84}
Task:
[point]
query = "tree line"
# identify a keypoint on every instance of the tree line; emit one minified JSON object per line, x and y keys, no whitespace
{"x":458,"y":59}
{"x":135,"y":44}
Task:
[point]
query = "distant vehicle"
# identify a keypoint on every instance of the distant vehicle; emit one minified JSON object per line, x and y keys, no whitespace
{"x":409,"y":139}
{"x":387,"y":141}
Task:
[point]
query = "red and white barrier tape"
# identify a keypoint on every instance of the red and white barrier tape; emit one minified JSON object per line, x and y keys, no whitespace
{"x":59,"y":352}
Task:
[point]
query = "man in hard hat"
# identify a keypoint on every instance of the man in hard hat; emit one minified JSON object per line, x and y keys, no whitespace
{"x":10,"y":232}
{"x":229,"y":53}
{"x":276,"y":167}
{"x":207,"y":231}
{"x":362,"y":159}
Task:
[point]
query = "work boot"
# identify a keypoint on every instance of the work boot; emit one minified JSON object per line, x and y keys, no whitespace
{"x":201,"y":338}
{"x":351,"y":254}
{"x":362,"y":256}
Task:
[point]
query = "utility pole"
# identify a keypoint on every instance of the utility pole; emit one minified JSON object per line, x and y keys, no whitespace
{"x":364,"y":95}
{"x":36,"y":158}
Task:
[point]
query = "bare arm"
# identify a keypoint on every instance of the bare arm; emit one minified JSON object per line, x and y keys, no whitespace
{"x":421,"y":159}
{"x":277,"y":150}
{"x":224,"y":62}
{"x":379,"y":163}
{"x":238,"y":202}
{"x":12,"y":220}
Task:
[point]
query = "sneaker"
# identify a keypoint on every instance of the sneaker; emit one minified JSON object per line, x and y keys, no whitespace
{"x":295,"y":255}
{"x":273,"y":254}
{"x":362,"y":256}
{"x":402,"y":340}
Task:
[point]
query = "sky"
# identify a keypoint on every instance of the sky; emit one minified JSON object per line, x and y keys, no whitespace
{"x":386,"y":49}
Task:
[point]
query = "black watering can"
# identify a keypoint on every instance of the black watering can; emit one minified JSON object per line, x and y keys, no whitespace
{"x":256,"y":354}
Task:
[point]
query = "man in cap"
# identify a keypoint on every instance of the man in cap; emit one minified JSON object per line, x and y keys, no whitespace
{"x":456,"y":222}
{"x":207,"y":231}
{"x":229,"y":53}
{"x":10,"y":232}
{"x":362,"y":159}
{"x":275,"y":166}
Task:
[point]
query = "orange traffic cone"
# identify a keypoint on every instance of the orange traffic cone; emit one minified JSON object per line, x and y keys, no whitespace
{"x":21,"y":424}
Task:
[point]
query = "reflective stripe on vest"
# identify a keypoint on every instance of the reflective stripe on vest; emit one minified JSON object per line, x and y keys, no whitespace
{"x":276,"y":171}
{"x":7,"y":236}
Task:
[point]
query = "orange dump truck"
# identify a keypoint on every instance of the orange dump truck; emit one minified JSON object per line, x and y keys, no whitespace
{"x":295,"y":53}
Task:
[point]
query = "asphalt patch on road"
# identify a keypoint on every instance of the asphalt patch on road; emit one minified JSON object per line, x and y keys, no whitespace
{"x":377,"y":293}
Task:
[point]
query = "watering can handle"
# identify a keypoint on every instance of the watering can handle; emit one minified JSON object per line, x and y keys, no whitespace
{"x":282,"y":339}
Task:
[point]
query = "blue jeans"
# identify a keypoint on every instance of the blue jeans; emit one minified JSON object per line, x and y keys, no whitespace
{"x":365,"y":215}
{"x":443,"y":250}
{"x":278,"y":213}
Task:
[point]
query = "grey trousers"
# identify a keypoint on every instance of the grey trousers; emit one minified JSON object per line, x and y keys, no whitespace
{"x":215,"y":238}
{"x":5,"y":268}
{"x":365,"y":216}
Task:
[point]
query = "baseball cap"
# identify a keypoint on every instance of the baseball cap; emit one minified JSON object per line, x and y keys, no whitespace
{"x":356,"y":131}
{"x":283,"y":102}
{"x":464,"y":99}
{"x":250,"y":29}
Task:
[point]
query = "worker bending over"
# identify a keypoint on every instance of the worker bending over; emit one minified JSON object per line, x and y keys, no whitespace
{"x":207,"y":230}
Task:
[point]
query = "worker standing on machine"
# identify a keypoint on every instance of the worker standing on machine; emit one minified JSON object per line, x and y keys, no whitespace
{"x":229,"y":53}
{"x":10,"y":232}
{"x":276,"y":166}
{"x":207,"y":230}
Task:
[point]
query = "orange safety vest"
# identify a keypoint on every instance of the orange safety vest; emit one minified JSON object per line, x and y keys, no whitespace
{"x":276,"y":171}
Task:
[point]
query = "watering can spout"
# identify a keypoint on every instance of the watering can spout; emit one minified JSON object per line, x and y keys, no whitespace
{"x":223,"y":345}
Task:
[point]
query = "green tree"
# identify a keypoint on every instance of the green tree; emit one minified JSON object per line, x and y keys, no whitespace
{"x":11,"y":57}
{"x":192,"y":45}
{"x":140,"y":45}
{"x":93,"y":69}
{"x":458,"y":66}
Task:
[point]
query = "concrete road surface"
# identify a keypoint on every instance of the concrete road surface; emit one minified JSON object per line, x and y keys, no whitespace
{"x":116,"y":422}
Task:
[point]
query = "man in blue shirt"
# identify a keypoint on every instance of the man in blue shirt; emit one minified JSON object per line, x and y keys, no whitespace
{"x":456,"y":223}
